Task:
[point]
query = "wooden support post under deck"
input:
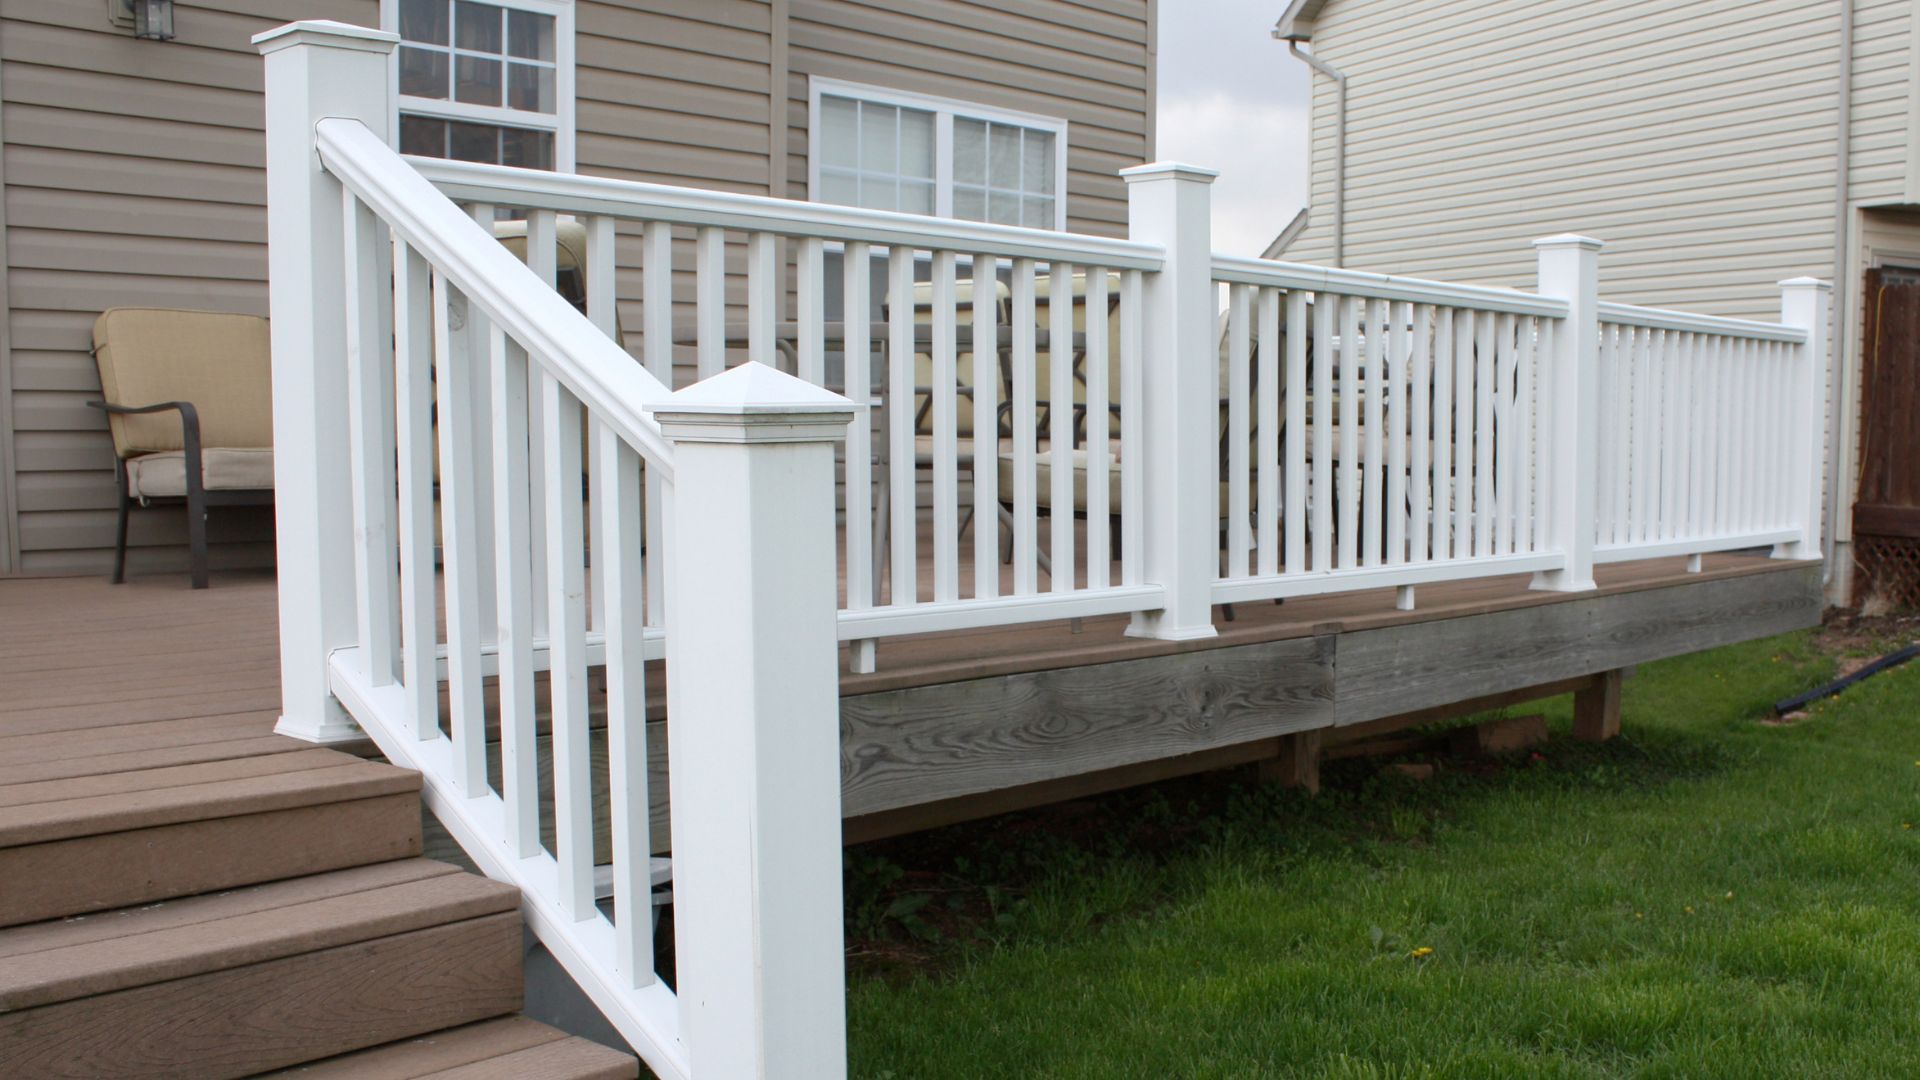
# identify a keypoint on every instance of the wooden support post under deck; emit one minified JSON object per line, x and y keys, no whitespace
{"x":1596,"y":710}
{"x":1298,"y":762}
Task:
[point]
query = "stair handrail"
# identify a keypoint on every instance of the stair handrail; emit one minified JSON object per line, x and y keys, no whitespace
{"x":555,"y":334}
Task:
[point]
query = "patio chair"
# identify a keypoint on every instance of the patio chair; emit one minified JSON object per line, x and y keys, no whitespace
{"x":570,"y":256}
{"x":213,"y":372}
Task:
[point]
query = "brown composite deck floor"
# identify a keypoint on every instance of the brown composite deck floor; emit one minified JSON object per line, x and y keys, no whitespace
{"x":151,"y":674}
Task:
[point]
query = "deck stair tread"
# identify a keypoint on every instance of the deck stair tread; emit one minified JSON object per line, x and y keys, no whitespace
{"x":237,"y":745}
{"x":94,"y":838}
{"x":27,"y":744}
{"x":36,"y":813}
{"x":116,"y":950}
{"x":510,"y":1048}
{"x":244,"y":1020}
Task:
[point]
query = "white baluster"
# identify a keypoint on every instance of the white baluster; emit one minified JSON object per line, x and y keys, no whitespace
{"x":1238,"y":394}
{"x":985,"y":300}
{"x":566,"y":672}
{"x":514,"y":597}
{"x":618,"y":564}
{"x":413,"y":406}
{"x":454,"y":371}
{"x":1060,"y":395}
{"x":943,"y":406}
{"x":1443,"y":379}
{"x":370,"y":386}
{"x":1099,"y":431}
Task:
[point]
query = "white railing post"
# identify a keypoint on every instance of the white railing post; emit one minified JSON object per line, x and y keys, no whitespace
{"x":314,"y":69}
{"x":1170,"y":204}
{"x":1569,"y":406}
{"x":1804,"y":302}
{"x":754,"y":720}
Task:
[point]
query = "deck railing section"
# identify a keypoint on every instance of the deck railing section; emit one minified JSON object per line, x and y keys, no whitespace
{"x":993,"y":354}
{"x":457,"y":446}
{"x":1700,"y":432}
{"x":1377,"y":431}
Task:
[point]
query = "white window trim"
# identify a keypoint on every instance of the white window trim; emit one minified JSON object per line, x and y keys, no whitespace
{"x":560,"y":121}
{"x":943,"y":110}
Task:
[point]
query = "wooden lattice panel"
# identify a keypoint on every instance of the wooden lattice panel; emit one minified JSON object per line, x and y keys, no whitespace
{"x":1889,"y":571}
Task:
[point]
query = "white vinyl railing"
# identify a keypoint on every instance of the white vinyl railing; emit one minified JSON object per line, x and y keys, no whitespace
{"x":1377,"y":431}
{"x":958,"y":356}
{"x":492,"y":517}
{"x":1698,"y":419}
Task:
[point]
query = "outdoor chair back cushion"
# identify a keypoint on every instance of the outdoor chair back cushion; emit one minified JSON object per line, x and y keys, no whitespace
{"x":219,"y":362}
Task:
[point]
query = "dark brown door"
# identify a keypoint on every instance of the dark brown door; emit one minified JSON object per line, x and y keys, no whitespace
{"x":1886,"y":508}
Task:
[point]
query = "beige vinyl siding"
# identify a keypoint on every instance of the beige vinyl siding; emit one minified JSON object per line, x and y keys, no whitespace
{"x":133,"y":176}
{"x":675,"y":92}
{"x":1085,"y":62}
{"x":1696,"y":140}
{"x":133,"y":173}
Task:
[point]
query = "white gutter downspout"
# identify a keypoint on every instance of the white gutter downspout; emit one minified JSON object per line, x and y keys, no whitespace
{"x":1339,"y":144}
{"x":1842,"y":274}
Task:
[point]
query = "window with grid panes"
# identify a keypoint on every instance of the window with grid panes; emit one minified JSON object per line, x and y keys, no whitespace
{"x":890,"y":150}
{"x":488,"y":82}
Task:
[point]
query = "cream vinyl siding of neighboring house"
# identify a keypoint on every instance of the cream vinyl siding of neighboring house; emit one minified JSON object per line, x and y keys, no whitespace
{"x":1697,"y":139}
{"x":132,"y":174}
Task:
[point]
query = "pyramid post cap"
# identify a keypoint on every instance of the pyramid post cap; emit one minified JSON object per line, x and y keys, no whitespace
{"x":328,"y":32}
{"x":1572,"y":240}
{"x":753,"y":402}
{"x":1154,"y":170}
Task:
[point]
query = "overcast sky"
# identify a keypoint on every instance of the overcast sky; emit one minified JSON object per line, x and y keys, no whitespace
{"x":1232,"y":99}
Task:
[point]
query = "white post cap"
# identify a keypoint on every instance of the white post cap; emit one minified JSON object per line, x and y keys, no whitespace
{"x":1805,"y":282}
{"x":1573,"y":240}
{"x":328,"y":32}
{"x":754,"y":403}
{"x":1157,"y":170}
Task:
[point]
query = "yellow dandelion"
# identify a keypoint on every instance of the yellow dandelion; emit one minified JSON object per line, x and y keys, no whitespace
{"x":1421,"y":952}
{"x":1729,"y":894}
{"x":1689,"y":909}
{"x":1639,"y":914}
{"x":1906,"y":825}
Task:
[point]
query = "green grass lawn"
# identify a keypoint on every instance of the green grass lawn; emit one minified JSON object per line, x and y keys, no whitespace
{"x":1705,"y":896}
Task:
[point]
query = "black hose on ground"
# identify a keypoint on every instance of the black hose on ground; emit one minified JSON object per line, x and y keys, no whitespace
{"x":1891,"y":660}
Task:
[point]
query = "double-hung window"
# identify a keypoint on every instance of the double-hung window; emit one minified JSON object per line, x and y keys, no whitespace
{"x":892,"y":150}
{"x":489,"y":82}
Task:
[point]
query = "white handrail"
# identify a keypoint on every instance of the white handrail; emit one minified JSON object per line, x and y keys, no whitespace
{"x":594,"y":368}
{"x":1688,"y":322}
{"x":1241,"y":270}
{"x":571,"y":193}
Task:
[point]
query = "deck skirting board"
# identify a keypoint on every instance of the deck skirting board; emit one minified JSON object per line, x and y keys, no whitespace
{"x":1398,"y":669}
{"x":917,"y":745}
{"x":903,"y":747}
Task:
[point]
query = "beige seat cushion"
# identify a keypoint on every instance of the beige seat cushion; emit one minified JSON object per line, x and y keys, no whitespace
{"x":164,"y":475}
{"x":220,"y":362}
{"x":1043,"y":479}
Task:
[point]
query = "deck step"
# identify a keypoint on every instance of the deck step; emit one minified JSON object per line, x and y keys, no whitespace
{"x":510,"y":1048}
{"x":98,"y":841}
{"x":258,"y":978}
